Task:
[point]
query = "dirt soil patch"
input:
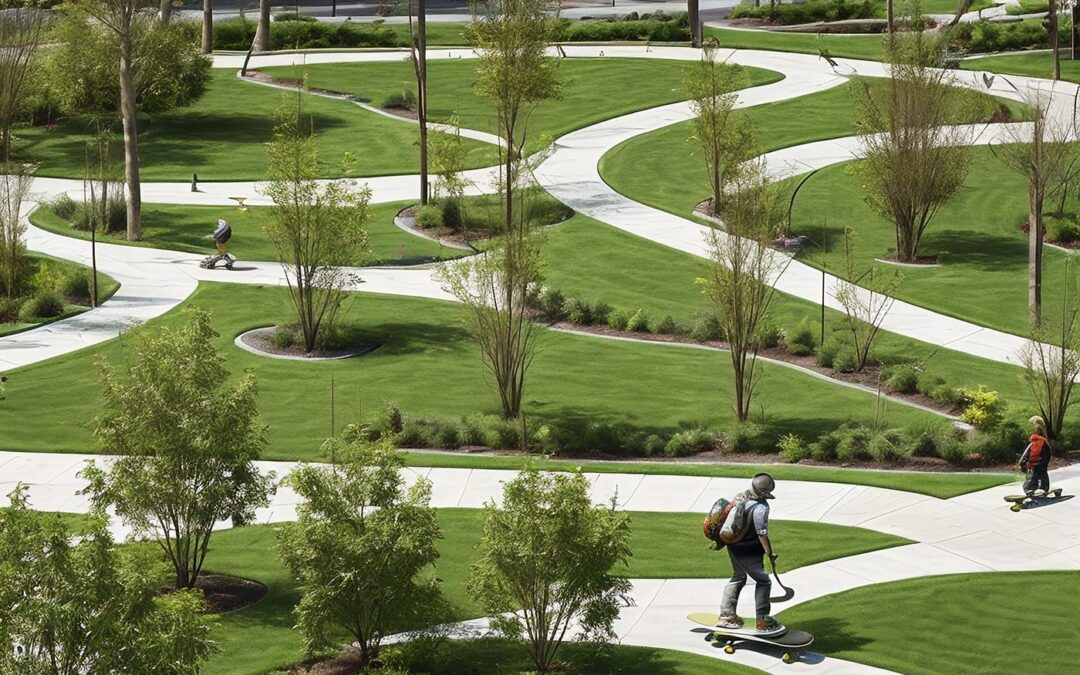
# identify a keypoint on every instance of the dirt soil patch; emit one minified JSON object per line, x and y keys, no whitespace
{"x":346,"y":663}
{"x":262,"y":340}
{"x":444,"y":233}
{"x":223,"y":593}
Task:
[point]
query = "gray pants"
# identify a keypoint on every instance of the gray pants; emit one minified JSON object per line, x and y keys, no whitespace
{"x":754,"y":566}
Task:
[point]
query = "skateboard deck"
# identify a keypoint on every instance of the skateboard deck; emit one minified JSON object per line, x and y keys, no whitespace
{"x":1020,"y":501}
{"x":791,"y":640}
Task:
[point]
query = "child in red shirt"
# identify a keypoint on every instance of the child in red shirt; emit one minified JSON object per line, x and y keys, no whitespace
{"x":1036,"y":459}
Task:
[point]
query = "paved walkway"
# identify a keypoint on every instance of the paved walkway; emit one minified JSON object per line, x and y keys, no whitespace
{"x":968,"y":534}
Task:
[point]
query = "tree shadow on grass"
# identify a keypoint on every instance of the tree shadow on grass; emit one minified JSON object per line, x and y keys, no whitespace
{"x":404,"y":339}
{"x":989,"y":252}
{"x":830,"y":634}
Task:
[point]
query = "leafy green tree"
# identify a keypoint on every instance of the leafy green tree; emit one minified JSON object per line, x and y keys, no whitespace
{"x":515,"y":73}
{"x":545,"y":563}
{"x":317,"y":227}
{"x":22,"y":30}
{"x":113,"y":58}
{"x":725,"y":137}
{"x":187,"y":444}
{"x":72,"y":603}
{"x":359,"y":546}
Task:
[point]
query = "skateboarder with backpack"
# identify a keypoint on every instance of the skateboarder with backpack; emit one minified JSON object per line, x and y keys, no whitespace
{"x":745,"y":532}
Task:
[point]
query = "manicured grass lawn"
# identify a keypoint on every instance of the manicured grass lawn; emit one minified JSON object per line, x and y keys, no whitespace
{"x":663,"y":169}
{"x":983,"y":252}
{"x":593,"y":89}
{"x":224,"y":135}
{"x":949,"y":624}
{"x":1036,"y":64}
{"x":430,"y":367}
{"x":848,"y":46}
{"x":261,"y":637}
{"x":634,"y":273}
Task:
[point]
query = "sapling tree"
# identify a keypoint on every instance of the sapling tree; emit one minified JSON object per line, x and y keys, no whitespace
{"x":724,"y":136}
{"x":913,"y":162}
{"x":514,"y":72}
{"x":448,"y":165}
{"x":186,"y":442}
{"x":359,"y":547}
{"x":495,"y":287}
{"x":742,"y":271}
{"x":15,"y":184}
{"x":547,"y":561}
{"x":316,"y":227}
{"x":72,"y":602}
{"x":1051,"y":359}
{"x":866,"y":297}
{"x":22,"y":30}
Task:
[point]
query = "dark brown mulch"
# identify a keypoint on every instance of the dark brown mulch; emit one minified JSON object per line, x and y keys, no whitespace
{"x":346,"y":663}
{"x":223,"y":593}
{"x":445,"y":233}
{"x":262,"y":339}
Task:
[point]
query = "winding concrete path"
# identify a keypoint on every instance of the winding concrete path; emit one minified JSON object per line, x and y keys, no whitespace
{"x":973,"y":533}
{"x":570,"y":173}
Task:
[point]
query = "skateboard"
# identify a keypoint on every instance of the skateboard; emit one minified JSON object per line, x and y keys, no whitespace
{"x":210,"y":262}
{"x":1022,"y":501}
{"x":791,"y":641}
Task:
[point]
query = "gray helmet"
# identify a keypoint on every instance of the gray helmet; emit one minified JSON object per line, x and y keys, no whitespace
{"x":763,"y":484}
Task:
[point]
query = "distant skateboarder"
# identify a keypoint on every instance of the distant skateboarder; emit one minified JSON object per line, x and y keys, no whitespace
{"x":1036,"y":459}
{"x":747,"y":559}
{"x":221,"y":236}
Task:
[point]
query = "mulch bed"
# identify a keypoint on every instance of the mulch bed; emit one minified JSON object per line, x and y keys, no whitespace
{"x":222,"y":593}
{"x":444,"y":233}
{"x":262,"y":339}
{"x":345,"y":663}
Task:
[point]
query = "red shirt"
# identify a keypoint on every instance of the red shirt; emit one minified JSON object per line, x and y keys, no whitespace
{"x":1037,"y":454}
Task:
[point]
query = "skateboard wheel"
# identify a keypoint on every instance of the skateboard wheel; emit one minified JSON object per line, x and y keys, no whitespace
{"x":729,"y":649}
{"x":1015,"y":507}
{"x":709,"y":637}
{"x":788,"y":657}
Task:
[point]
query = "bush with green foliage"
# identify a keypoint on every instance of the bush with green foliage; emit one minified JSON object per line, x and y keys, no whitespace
{"x":827,"y":352}
{"x":618,"y":319}
{"x":452,"y":215}
{"x":283,"y":337}
{"x":982,"y":407}
{"x":578,"y":311}
{"x":690,"y":442}
{"x":41,"y":305}
{"x":801,"y":341}
{"x":402,"y":100}
{"x":638,"y":322}
{"x":668,"y":326}
{"x":793,"y":448}
{"x":1063,"y":230}
{"x":552,"y":303}
{"x":743,"y":437}
{"x":790,"y":14}
{"x":901,"y":377}
{"x":706,"y":328}
{"x":429,"y":216}
{"x":659,"y":27}
{"x":986,"y":36}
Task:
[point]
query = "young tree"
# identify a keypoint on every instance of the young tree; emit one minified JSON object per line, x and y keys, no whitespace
{"x":742,"y":272}
{"x":22,"y":30}
{"x":71,"y":602}
{"x":495,"y":287}
{"x":122,"y":60}
{"x":359,"y":546}
{"x":515,"y":73}
{"x":186,"y":441}
{"x":1051,"y":360}
{"x":15,"y":183}
{"x":866,"y":298}
{"x":913,"y":161}
{"x":418,"y":55}
{"x":316,"y":228}
{"x":1044,"y":153}
{"x":1052,"y":30}
{"x":725,"y":137}
{"x":448,"y":165}
{"x":546,"y":560}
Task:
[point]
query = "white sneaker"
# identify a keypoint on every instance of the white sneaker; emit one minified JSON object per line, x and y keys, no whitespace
{"x":1039,"y":493}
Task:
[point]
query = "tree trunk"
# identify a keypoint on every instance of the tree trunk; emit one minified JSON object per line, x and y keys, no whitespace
{"x":889,"y":20}
{"x":421,"y":95}
{"x":1075,"y":29}
{"x":1052,"y":31}
{"x":1035,"y":242}
{"x":207,"y":26}
{"x":131,"y":142}
{"x":692,"y":11}
{"x":262,"y":32}
{"x":164,"y":10}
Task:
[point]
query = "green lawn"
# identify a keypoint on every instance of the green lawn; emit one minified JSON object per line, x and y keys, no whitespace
{"x":663,"y":169}
{"x":983,"y":252}
{"x":261,"y":637}
{"x":1035,"y":64}
{"x":429,"y":365}
{"x":633,"y":273}
{"x":223,"y":137}
{"x":592,"y":89}
{"x":868,"y":47}
{"x":949,"y":624}
{"x":183,"y":228}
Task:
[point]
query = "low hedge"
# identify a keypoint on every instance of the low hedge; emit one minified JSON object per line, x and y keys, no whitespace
{"x":791,"y":14}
